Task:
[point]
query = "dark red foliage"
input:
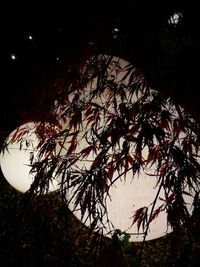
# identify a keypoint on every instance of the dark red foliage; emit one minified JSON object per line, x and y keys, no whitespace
{"x":119,"y":118}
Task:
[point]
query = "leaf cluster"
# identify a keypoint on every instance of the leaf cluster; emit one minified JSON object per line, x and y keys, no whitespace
{"x":109,"y":125}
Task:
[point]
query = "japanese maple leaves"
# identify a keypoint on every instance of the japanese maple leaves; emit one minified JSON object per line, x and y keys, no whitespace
{"x":112,"y":124}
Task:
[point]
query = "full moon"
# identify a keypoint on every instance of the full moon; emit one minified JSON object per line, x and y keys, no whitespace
{"x":125,"y":198}
{"x":15,"y":161}
{"x":127,"y":194}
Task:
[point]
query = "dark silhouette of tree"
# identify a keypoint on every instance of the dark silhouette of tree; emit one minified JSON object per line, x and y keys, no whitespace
{"x":116,"y":114}
{"x":97,"y":132}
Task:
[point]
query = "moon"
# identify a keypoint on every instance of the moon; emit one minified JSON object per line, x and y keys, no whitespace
{"x":128,"y":193}
{"x":15,"y":161}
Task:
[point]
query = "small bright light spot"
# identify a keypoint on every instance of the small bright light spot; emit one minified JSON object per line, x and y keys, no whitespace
{"x":175,"y":18}
{"x":57,"y":59}
{"x":15,"y":162}
{"x":30,"y":37}
{"x":115,"y":30}
{"x":13,"y":57}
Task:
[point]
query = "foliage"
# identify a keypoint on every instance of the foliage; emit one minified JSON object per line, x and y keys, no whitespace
{"x":123,"y":237}
{"x":45,"y":233}
{"x":108,"y":123}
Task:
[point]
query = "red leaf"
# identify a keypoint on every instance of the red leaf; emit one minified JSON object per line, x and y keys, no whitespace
{"x":72,"y":148}
{"x":91,"y":119}
{"x":86,"y":151}
{"x":95,"y":162}
{"x":134,"y":129}
{"x":76,"y":119}
{"x":156,"y":213}
{"x":88,"y":111}
{"x":18,"y":134}
{"x":110,"y":172}
{"x":140,"y":217}
{"x":130,"y":160}
{"x":163,"y":169}
{"x":61,"y":145}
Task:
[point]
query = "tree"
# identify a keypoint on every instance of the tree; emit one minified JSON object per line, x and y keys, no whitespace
{"x":116,"y":119}
{"x":97,"y":132}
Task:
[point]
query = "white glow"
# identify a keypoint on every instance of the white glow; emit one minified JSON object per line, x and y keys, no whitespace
{"x":175,"y":18}
{"x":15,"y":161}
{"x":126,"y":197}
{"x":30,"y":37}
{"x":130,"y":193}
{"x":13,"y":56}
{"x":115,"y":30}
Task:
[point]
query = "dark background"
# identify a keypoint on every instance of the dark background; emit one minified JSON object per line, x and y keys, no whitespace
{"x":63,"y":33}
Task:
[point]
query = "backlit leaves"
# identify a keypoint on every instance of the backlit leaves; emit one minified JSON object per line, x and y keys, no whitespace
{"x":141,"y":218}
{"x":115,"y":115}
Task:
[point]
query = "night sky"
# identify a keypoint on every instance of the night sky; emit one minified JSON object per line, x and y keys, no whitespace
{"x":36,"y":43}
{"x":39,"y":42}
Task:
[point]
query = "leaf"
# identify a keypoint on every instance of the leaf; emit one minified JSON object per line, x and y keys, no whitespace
{"x":156,"y":213}
{"x":140,"y":217}
{"x":165,"y":119}
{"x":153,"y":156}
{"x":18,"y":134}
{"x":76,"y":119}
{"x":125,"y":240}
{"x":130,"y":160}
{"x":91,"y":118}
{"x":86,"y":151}
{"x":163,"y":169}
{"x":134,"y":129}
{"x":178,"y":156}
{"x":72,"y":147}
{"x":62,"y":145}
{"x":111,"y":170}
{"x":88,"y":111}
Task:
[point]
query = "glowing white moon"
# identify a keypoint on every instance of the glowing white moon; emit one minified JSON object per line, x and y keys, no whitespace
{"x":126,"y":195}
{"x":15,"y":161}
